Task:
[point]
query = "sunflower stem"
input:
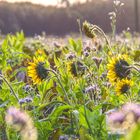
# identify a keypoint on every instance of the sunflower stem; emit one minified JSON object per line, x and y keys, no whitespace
{"x":135,"y":68}
{"x":100,"y":31}
{"x":137,"y":64}
{"x":12,"y":91}
{"x":59,"y":81}
{"x":86,"y":117}
{"x":87,"y":120}
{"x":95,"y":27}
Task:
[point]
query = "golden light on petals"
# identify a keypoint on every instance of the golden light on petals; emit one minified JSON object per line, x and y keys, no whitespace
{"x":118,"y":68}
{"x":36,"y":70}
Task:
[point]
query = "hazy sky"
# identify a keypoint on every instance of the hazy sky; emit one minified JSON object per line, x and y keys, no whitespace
{"x":45,"y":2}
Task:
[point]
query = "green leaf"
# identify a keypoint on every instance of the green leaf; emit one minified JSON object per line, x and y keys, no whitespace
{"x":57,"y":112}
{"x":76,"y":45}
{"x":134,"y":134}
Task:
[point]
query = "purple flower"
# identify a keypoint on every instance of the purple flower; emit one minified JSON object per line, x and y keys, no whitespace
{"x":25,"y":100}
{"x":87,"y":49}
{"x":116,"y":117}
{"x":22,"y":101}
{"x":22,"y":122}
{"x":21,"y":76}
{"x":91,"y":89}
{"x":27,"y":88}
{"x":86,"y":54}
{"x":70,"y":56}
{"x":97,"y":61}
{"x":28,"y":99}
{"x":64,"y":137}
{"x":132,"y":107}
{"x":16,"y":117}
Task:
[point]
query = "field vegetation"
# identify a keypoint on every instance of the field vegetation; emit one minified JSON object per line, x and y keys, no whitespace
{"x":85,"y":88}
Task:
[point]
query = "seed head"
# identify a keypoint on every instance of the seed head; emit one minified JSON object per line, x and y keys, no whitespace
{"x":88,"y":30}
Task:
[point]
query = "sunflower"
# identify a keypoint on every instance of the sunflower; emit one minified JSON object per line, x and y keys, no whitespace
{"x":123,"y":86}
{"x":36,"y":70}
{"x":118,"y":68}
{"x":88,"y":30}
{"x":76,"y":68}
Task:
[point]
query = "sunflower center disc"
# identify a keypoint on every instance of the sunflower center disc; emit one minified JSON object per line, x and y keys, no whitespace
{"x":41,"y":71}
{"x":125,"y":88}
{"x":121,"y":69}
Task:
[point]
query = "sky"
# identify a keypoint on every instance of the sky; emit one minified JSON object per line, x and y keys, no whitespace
{"x":44,"y":2}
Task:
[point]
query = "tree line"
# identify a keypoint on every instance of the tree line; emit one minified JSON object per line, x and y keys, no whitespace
{"x":35,"y":19}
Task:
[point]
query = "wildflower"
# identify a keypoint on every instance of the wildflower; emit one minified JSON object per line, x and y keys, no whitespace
{"x":28,"y":99}
{"x":65,"y":137}
{"x":27,"y":88}
{"x":25,"y":100}
{"x":116,"y":117}
{"x":88,"y":29}
{"x":10,"y":62}
{"x":115,"y":122}
{"x":87,"y":49}
{"x":36,"y":70}
{"x":106,"y":84}
{"x":123,"y":86}
{"x":125,"y":118}
{"x":70,"y":56}
{"x":118,"y":68}
{"x":21,"y":76}
{"x":93,"y":92}
{"x":86,"y":54}
{"x":22,"y":101}
{"x":97,"y":61}
{"x":134,"y":108}
{"x":21,"y":121}
{"x":103,"y":76}
{"x":92,"y":89}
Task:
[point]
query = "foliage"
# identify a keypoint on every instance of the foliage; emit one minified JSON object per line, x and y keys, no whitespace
{"x":63,"y":104}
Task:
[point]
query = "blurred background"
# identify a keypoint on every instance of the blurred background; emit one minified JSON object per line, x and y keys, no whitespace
{"x":59,"y":17}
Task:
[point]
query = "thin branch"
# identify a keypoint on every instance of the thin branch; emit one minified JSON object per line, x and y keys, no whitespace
{"x":12,"y":91}
{"x":59,"y":81}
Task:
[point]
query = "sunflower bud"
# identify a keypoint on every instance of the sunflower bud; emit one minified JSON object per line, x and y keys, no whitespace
{"x":88,"y":30}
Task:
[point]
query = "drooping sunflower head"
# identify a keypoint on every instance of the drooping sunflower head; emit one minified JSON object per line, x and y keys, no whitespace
{"x":123,"y":86}
{"x":118,"y":68}
{"x":88,"y":30}
{"x":36,"y":70}
{"x":76,"y":68}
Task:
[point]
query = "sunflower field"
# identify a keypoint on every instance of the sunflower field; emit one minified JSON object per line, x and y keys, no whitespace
{"x":86,"y":88}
